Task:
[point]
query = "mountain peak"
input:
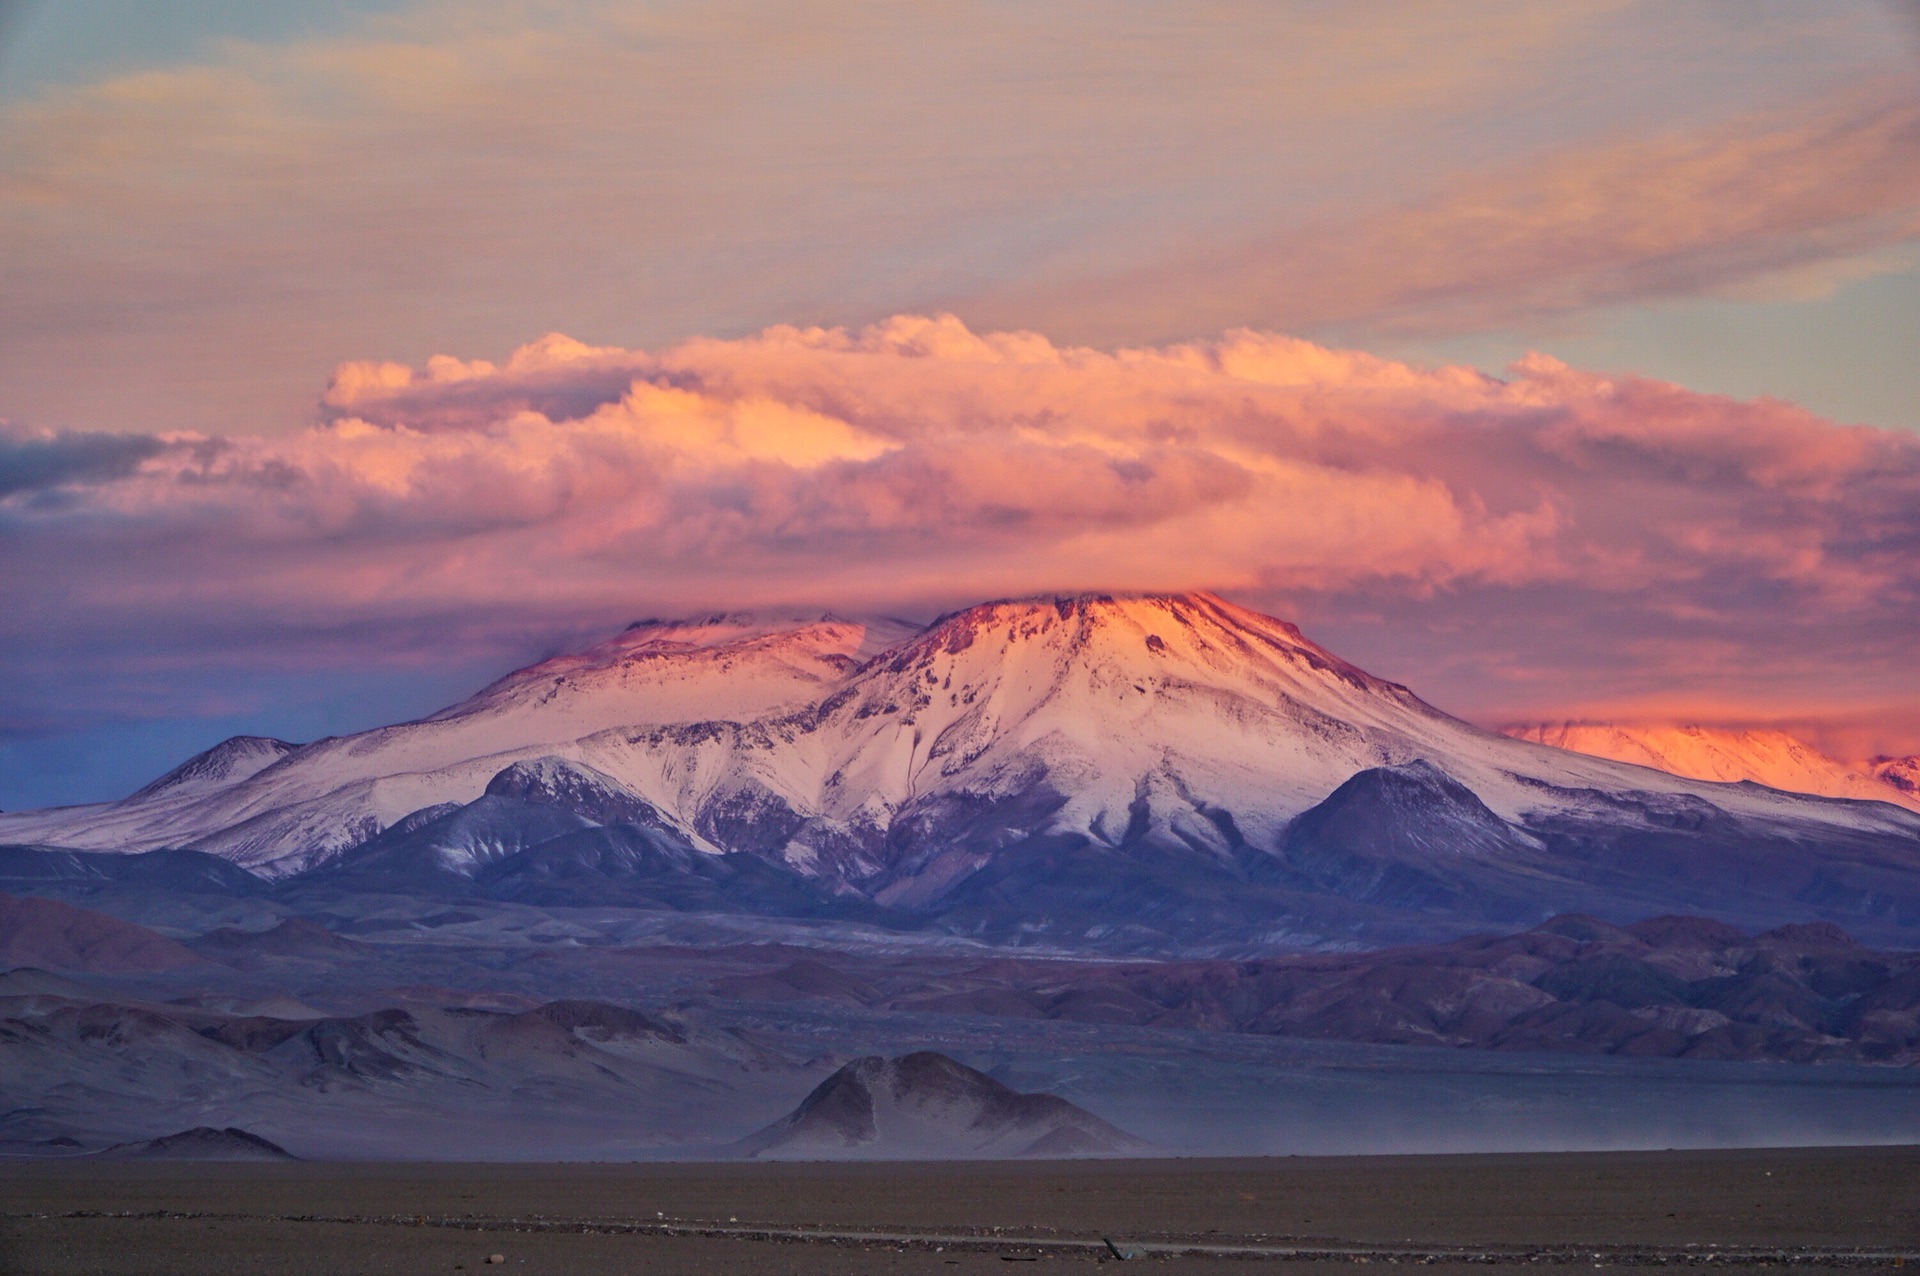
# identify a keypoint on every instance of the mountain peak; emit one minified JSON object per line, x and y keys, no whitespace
{"x":1182,"y":635}
{"x":233,"y":759}
{"x":726,"y":665}
{"x":859,"y":637}
{"x":1096,"y":605}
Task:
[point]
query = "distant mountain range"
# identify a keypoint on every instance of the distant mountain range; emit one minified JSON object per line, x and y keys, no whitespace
{"x":1139,"y":774}
{"x":1732,"y":754}
{"x":1667,"y":987}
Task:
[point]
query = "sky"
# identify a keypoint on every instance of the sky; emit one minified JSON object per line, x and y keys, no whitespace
{"x":1556,"y":360}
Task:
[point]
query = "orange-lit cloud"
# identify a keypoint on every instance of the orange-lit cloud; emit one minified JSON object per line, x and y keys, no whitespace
{"x":1548,"y":540}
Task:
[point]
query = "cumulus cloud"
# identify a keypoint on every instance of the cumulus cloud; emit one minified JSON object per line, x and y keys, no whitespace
{"x":1539,"y":541}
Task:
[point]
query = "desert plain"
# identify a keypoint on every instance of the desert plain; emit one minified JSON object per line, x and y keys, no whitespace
{"x":1812,"y":1209}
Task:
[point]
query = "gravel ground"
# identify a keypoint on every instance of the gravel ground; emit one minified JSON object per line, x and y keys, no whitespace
{"x":1813,"y":1209}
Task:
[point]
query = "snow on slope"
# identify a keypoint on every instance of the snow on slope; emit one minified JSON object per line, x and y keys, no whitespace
{"x":320,"y":798}
{"x":1156,"y":715}
{"x":1099,"y":700}
{"x":1181,"y":718}
{"x":1728,"y":755}
{"x":729,"y":666}
{"x":232,"y":760}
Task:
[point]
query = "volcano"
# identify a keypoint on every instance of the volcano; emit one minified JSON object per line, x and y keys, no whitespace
{"x":1128,"y":772}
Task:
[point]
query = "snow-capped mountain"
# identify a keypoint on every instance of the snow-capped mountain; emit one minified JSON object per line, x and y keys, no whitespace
{"x":1727,"y":754}
{"x":337,"y":792}
{"x":1095,"y":766}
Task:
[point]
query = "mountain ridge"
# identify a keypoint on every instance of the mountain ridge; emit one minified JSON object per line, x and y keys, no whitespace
{"x":1764,"y":755}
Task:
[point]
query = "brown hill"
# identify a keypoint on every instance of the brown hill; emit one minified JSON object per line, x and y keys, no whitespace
{"x":56,"y":936}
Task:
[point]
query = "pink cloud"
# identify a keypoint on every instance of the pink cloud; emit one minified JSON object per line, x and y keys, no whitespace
{"x":1634,"y":539}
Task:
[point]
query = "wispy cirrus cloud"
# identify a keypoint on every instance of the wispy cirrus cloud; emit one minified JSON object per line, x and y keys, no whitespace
{"x":1547,"y":536}
{"x":190,"y":246}
{"x":1787,"y":199}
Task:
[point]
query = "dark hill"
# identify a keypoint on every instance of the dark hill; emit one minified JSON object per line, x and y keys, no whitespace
{"x":202,"y":1143}
{"x":927,"y":1106}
